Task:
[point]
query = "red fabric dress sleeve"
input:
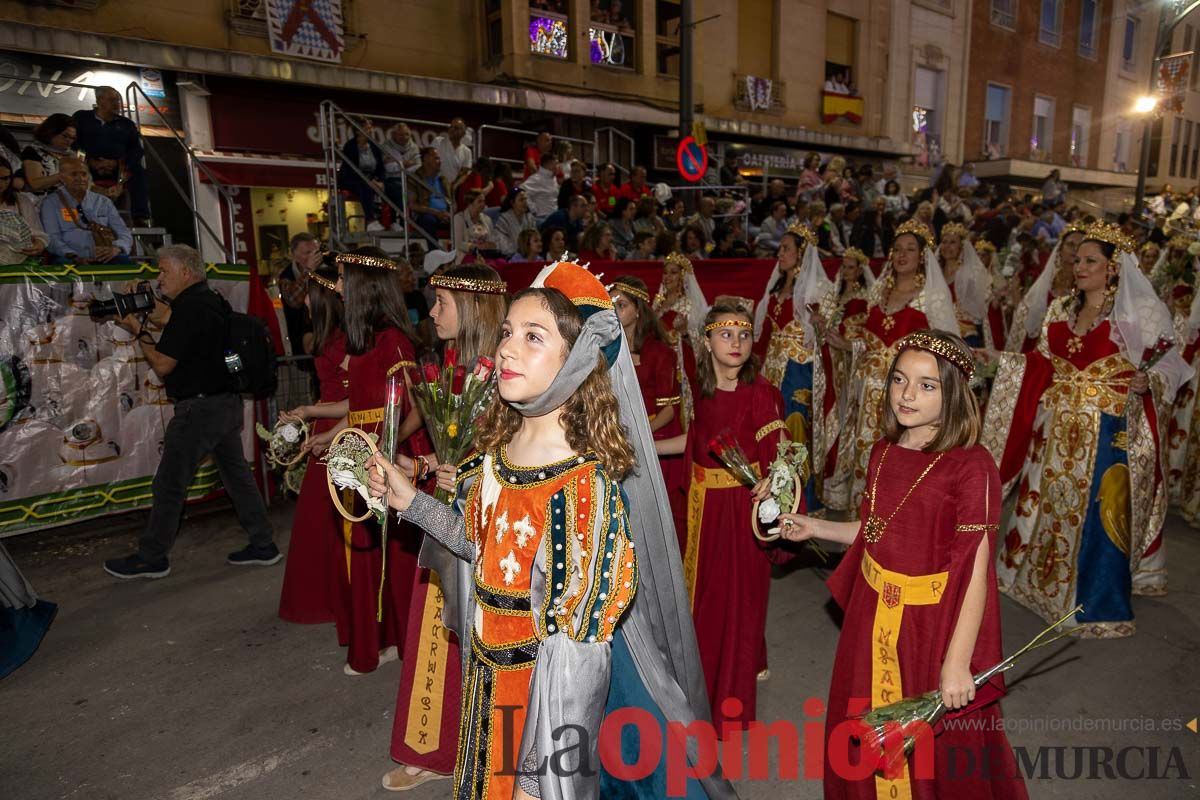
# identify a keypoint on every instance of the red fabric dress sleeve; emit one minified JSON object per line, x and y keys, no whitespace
{"x":767,"y":420}
{"x":1038,"y":375}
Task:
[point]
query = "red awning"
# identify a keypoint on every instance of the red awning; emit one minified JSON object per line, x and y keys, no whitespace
{"x":236,"y":169}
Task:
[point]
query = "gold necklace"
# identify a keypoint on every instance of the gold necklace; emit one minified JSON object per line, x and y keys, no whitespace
{"x":874,"y":527}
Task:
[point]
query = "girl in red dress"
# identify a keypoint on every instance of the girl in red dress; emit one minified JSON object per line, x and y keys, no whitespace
{"x":311,"y":590}
{"x":918,"y":584}
{"x":658,"y":375}
{"x":726,"y":572}
{"x":469,"y":306}
{"x":379,"y":340}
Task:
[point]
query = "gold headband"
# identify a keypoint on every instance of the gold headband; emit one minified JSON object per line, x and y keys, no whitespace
{"x":1073,"y":227}
{"x":953,"y":228}
{"x":366,"y":261}
{"x":728,"y":323}
{"x":856,"y":254}
{"x":679,"y":260}
{"x":803,"y":231}
{"x":915,"y":227}
{"x":1179,"y":242}
{"x":1151,"y":246}
{"x":632,"y":291}
{"x":939,"y":347}
{"x":322,"y":282}
{"x":1110,"y":234}
{"x":984,"y":246}
{"x":477,"y":285}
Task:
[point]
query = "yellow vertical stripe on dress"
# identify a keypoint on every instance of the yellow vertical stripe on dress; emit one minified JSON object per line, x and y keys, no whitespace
{"x":424,"y":730}
{"x":703,"y":479}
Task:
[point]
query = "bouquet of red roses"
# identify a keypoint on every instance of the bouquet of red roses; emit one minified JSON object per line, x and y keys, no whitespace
{"x":730,"y":454}
{"x":1160,"y":349}
{"x":451,"y":398}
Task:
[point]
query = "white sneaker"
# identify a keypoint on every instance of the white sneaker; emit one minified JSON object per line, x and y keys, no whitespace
{"x":397,"y":227}
{"x":375,"y":225}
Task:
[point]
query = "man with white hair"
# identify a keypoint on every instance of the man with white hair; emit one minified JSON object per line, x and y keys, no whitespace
{"x":189,"y":356}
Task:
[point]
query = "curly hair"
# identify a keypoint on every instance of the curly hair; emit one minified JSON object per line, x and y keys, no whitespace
{"x":590,"y":417}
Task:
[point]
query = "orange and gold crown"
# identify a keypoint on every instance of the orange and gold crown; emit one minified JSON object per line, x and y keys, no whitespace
{"x":1111,"y":234}
{"x":917,"y":228}
{"x":953,"y":228}
{"x":984,"y":246}
{"x":804,"y":232}
{"x":1151,"y":246}
{"x":579,"y":285}
{"x":939,"y":347}
{"x":680,"y":260}
{"x":1073,"y":227}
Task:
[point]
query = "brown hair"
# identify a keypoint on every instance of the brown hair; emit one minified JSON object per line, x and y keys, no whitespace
{"x":374,"y":301}
{"x":479,"y":315}
{"x":706,"y":373}
{"x":648,"y":326}
{"x":590,"y":418}
{"x":959,"y":423}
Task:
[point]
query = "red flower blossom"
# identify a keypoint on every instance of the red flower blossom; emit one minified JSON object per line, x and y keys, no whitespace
{"x":451,"y":358}
{"x":431,"y":373}
{"x":460,"y":377}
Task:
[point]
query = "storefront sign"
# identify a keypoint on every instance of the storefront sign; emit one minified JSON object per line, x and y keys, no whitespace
{"x":38,"y":86}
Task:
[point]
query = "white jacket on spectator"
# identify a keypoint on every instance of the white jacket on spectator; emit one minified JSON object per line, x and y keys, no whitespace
{"x":19,"y":227}
{"x":508,"y":228}
{"x":454,"y":159}
{"x":473,"y":234}
{"x":542,"y":188}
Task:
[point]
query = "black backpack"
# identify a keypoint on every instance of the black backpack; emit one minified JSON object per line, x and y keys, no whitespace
{"x":249,"y":354}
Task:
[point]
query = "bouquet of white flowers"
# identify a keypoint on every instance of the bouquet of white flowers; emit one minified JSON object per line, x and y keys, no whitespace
{"x":285,"y":450}
{"x":787,"y":474}
{"x":345,"y":464}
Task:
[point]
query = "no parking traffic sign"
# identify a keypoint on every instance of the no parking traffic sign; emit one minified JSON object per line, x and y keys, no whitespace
{"x":692,"y":159}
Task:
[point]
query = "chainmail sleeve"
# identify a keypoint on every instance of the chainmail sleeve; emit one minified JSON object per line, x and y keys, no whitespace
{"x":442,"y":523}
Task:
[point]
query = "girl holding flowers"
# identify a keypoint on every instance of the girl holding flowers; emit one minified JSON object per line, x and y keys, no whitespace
{"x":726,"y":571}
{"x":468,"y":309}
{"x":552,"y":496}
{"x":379,"y":341}
{"x":918,"y":584}
{"x":312,"y":591}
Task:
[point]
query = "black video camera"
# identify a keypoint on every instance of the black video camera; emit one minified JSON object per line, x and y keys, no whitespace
{"x":139,"y":301}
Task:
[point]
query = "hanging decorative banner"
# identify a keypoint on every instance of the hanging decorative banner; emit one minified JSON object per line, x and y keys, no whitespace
{"x":758,"y":93}
{"x":306,"y":28}
{"x":1172,"y":82}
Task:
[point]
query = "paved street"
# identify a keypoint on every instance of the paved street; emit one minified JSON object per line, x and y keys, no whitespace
{"x":191,"y":688}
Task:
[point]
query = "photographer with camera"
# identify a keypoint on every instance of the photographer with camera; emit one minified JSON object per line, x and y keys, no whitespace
{"x":190,"y":357}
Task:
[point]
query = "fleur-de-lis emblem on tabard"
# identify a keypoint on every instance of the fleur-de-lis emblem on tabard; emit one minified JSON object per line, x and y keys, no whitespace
{"x":501,"y":527}
{"x":524,"y":529}
{"x":511,"y":567}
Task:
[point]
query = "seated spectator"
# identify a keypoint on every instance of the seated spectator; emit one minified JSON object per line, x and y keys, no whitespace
{"x":832,"y":234}
{"x":866,"y":184}
{"x":481,"y":177}
{"x":966,"y":178}
{"x":502,"y":183}
{"x":771,"y":232}
{"x":515,"y":218}
{"x":637,"y":188}
{"x":52,"y":142}
{"x":529,"y":246}
{"x":105,"y":133}
{"x":10,"y":153}
{"x":620,"y":222}
{"x":414,"y":298}
{"x":665,"y":244}
{"x":726,"y":244}
{"x":605,"y":189}
{"x":454,"y":154}
{"x":730,"y":176}
{"x":646,"y":219}
{"x":544,"y":145}
{"x":542,"y":188}
{"x":570,"y":220}
{"x":555,"y":240}
{"x":868,"y":234}
{"x":597,"y":244}
{"x":811,"y":185}
{"x":576,"y":184}
{"x":776,"y":192}
{"x":362,"y":174}
{"x":21,"y":233}
{"x":592,"y":215}
{"x":644,"y":246}
{"x":673,"y":218}
{"x":83,"y":227}
{"x":472,"y":227}
{"x":692,"y":243}
{"x":704,"y":218}
{"x":400,"y":150}
{"x":896,"y":202}
{"x":430,"y":207}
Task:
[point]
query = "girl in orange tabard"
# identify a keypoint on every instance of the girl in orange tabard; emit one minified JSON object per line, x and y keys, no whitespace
{"x":918,"y":584}
{"x":379,"y":340}
{"x":312,"y":591}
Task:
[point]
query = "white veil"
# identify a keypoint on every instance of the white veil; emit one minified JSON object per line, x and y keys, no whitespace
{"x":934,"y":299}
{"x":1037,"y":299}
{"x":972,"y":284}
{"x":1140,"y":320}
{"x":810,"y":288}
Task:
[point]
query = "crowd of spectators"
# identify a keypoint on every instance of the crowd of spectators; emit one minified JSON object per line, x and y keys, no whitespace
{"x":75,"y":191}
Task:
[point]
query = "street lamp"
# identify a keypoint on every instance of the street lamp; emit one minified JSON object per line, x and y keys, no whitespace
{"x":1145,"y":104}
